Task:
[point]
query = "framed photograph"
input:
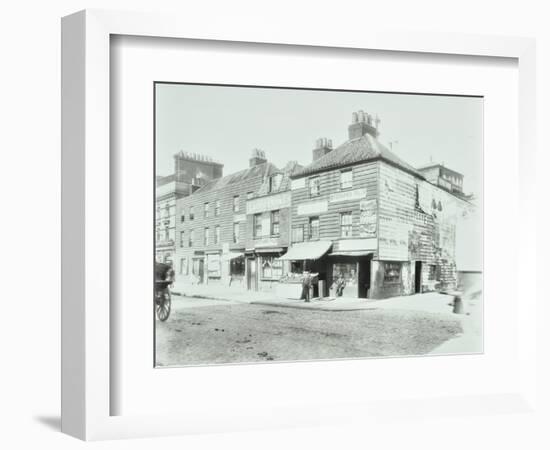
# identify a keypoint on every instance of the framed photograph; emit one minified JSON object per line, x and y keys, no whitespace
{"x":252,"y":217}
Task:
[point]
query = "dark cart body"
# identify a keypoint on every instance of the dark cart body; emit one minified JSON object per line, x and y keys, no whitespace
{"x":164,"y":277}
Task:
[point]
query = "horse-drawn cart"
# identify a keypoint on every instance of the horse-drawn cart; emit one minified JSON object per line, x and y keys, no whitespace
{"x":164,"y":277}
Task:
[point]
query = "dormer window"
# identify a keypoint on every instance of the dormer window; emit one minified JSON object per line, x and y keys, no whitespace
{"x":275,"y":182}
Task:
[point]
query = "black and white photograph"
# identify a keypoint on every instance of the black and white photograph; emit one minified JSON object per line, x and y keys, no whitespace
{"x":297,"y":224}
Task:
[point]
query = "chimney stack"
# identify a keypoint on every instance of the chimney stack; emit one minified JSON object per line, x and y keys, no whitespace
{"x":322,"y":147}
{"x":361,"y":124}
{"x":257,"y":158}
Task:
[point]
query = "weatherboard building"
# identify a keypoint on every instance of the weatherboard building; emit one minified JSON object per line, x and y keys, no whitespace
{"x":360,"y":212}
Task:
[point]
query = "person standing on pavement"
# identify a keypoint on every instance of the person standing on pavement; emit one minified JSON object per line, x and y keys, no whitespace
{"x":306,"y":286}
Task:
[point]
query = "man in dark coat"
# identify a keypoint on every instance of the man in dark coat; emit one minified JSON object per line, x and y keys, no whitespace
{"x":306,"y":285}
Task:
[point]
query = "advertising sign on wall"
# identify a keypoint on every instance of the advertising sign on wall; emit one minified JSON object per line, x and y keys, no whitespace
{"x":367,"y":218}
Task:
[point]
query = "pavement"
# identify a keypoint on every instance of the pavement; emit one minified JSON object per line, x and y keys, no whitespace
{"x":432,"y":302}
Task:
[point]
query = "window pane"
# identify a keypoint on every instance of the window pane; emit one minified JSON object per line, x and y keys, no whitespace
{"x":346,"y":179}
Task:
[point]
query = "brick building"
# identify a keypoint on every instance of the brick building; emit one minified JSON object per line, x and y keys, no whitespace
{"x":233,"y":229}
{"x":360,"y":212}
{"x":191,"y":171}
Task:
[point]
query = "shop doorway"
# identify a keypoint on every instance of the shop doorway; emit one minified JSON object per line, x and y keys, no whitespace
{"x":198,"y":269}
{"x":364,"y":277}
{"x":418,"y":277}
{"x":251,"y":278}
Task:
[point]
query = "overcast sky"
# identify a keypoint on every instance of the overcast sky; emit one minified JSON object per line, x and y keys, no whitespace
{"x":226,"y":123}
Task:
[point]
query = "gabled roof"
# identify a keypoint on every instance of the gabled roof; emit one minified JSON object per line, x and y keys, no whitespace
{"x":358,"y":150}
{"x":261,"y":170}
{"x":290,"y":168}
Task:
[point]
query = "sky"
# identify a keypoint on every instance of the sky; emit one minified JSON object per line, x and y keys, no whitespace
{"x":226,"y":123}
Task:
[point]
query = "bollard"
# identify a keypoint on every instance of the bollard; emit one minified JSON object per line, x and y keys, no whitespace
{"x":458,"y":307}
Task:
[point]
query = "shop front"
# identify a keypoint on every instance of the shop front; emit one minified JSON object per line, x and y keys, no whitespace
{"x":349,"y":274}
{"x":304,"y":257}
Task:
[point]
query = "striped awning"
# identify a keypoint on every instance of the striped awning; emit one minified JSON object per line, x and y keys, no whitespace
{"x":307,"y":250}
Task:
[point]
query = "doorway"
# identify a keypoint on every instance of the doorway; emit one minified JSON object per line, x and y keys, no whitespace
{"x":251,"y":279}
{"x":364,"y":277}
{"x":418,"y":277}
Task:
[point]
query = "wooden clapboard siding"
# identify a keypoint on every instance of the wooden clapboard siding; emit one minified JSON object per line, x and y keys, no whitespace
{"x":430,"y":233}
{"x":364,"y":177}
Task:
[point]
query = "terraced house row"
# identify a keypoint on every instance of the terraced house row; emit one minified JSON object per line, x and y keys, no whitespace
{"x":356,"y":211}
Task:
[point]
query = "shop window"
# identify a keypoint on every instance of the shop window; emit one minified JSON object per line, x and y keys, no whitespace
{"x":206,"y":236}
{"x":206,"y":210}
{"x":236,"y":205}
{"x":257,"y":225}
{"x":346,"y":222}
{"x":275,"y":226}
{"x":217,"y":234}
{"x":214,"y":266}
{"x":236,"y":232}
{"x":314,"y":187}
{"x":236,"y":266}
{"x":392,"y":272}
{"x":297,"y":267}
{"x":314,"y":228}
{"x":217,"y":208}
{"x":346,"y":179}
{"x":346,"y":270}
{"x":183,"y":266}
{"x":272,"y":268}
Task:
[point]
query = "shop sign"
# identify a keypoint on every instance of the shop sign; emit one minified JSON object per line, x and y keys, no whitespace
{"x":239,"y":218}
{"x":306,"y":209}
{"x":367,"y":218}
{"x":265,"y":242}
{"x":344,"y":196}
{"x":357,"y":244}
{"x":268,"y":203}
{"x":299,"y":183}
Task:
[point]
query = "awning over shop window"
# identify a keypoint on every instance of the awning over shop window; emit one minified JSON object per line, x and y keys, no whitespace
{"x":269,"y":250}
{"x":233,"y":255}
{"x":307,"y":250}
{"x":352,"y":253}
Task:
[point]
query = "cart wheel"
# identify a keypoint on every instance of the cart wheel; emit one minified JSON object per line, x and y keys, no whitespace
{"x":163,"y":306}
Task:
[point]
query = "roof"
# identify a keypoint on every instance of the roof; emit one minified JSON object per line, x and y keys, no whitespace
{"x":365,"y":148}
{"x":261,"y":170}
{"x":266,"y":189}
{"x":425,"y":167}
{"x":307,"y":250}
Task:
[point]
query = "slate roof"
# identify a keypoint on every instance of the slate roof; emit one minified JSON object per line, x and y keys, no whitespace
{"x":358,"y":150}
{"x":261,"y":170}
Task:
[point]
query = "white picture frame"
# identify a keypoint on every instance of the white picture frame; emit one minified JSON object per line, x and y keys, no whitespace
{"x":86,"y":217}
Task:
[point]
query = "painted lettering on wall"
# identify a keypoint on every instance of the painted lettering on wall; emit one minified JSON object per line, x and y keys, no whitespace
{"x":356,"y":194}
{"x":306,"y":209}
{"x":368,"y":218}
